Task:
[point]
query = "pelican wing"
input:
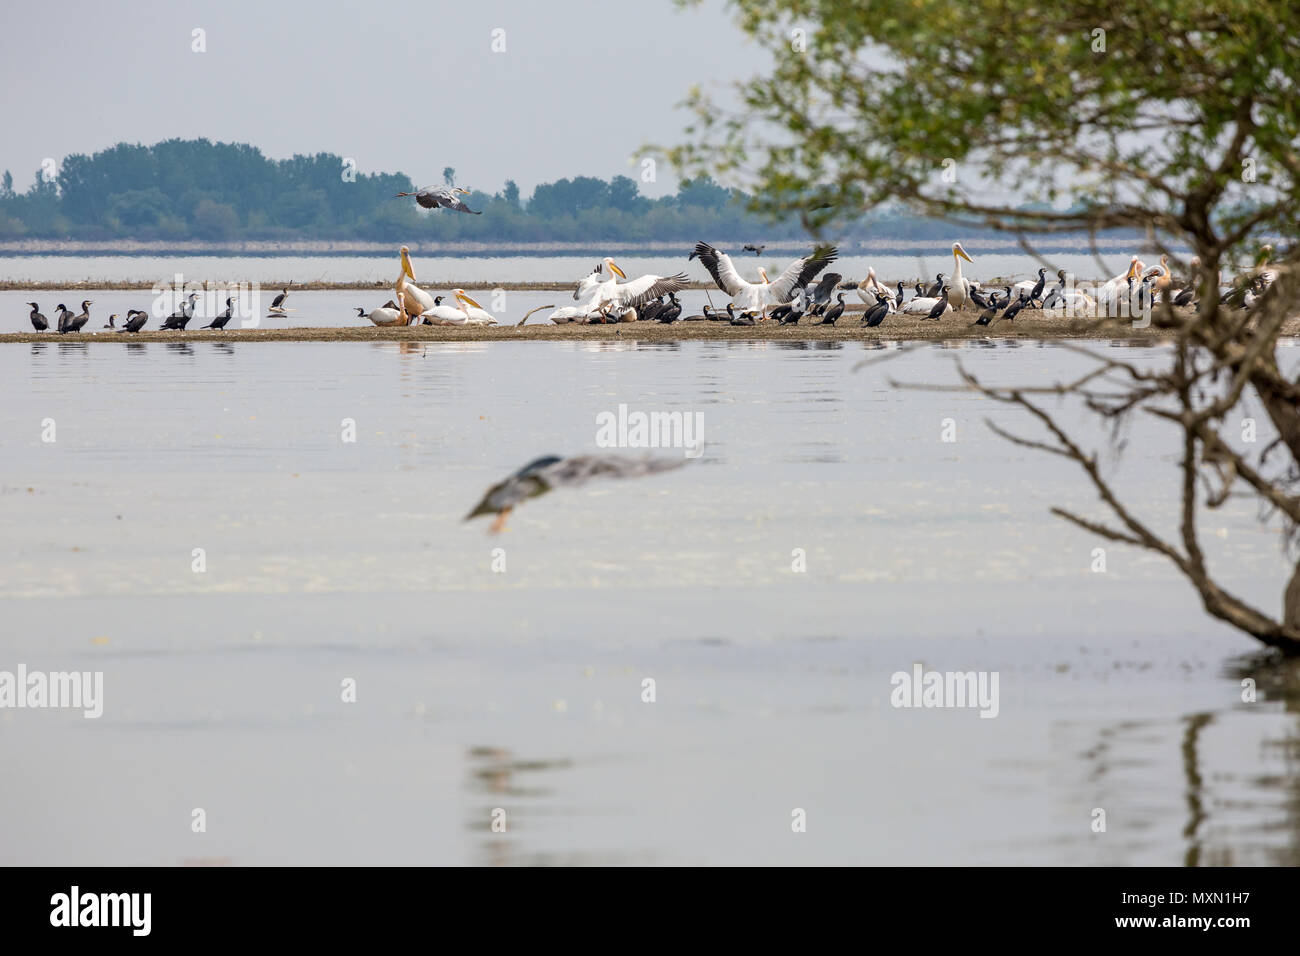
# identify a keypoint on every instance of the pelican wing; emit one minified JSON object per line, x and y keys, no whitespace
{"x":720,"y":267}
{"x":826,"y":287}
{"x":801,"y":272}
{"x":636,"y":292}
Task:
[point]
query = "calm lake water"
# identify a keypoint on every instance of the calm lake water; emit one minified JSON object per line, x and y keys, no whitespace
{"x":521,"y":689}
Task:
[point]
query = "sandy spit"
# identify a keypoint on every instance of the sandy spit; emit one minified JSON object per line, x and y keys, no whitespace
{"x":896,"y":327}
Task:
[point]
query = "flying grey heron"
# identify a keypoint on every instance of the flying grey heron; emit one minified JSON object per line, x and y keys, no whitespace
{"x":444,"y":197}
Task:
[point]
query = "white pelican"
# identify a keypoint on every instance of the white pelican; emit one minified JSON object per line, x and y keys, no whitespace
{"x":411,"y":299}
{"x":761,"y":296}
{"x":1160,"y":275}
{"x":477,"y":314}
{"x":1073,"y":301}
{"x":469,"y":313}
{"x":958,"y":287}
{"x":633,"y":293}
{"x":386,"y":314}
{"x":925,"y":304}
{"x":1111,"y":291}
{"x":587,"y":287}
{"x":871,"y":291}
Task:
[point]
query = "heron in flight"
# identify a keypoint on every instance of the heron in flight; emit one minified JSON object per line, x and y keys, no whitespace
{"x":540,"y":476}
{"x":445,"y":197}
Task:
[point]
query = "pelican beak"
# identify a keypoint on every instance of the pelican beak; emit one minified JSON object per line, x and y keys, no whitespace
{"x":617,"y":271}
{"x":406,"y":267}
{"x":959,"y":251}
{"x":462,"y":297}
{"x":1132,"y":270}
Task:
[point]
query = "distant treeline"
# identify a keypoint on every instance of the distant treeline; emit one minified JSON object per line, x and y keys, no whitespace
{"x":196,"y":189}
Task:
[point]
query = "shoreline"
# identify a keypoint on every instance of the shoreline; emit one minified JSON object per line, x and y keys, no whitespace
{"x":896,"y":328}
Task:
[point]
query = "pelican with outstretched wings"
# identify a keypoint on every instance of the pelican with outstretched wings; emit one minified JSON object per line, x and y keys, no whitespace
{"x":761,"y":296}
{"x":632,"y":293}
{"x":441,"y":197}
{"x":540,"y":476}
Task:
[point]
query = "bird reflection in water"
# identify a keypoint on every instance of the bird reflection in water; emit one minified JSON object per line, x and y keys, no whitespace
{"x":495,"y":772}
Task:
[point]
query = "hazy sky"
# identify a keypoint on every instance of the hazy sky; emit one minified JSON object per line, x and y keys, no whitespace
{"x":397,"y":85}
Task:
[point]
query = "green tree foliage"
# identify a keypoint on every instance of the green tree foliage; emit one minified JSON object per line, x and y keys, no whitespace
{"x":1175,"y":118}
{"x":1087,"y":113}
{"x":228,"y":191}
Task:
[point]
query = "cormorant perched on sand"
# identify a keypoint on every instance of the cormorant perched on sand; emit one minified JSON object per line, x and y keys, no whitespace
{"x":797,"y":309}
{"x":39,"y":322}
{"x":181,"y":318}
{"x":670,"y":312}
{"x":834,"y":312}
{"x":745,"y":318}
{"x":876,"y":314}
{"x":941,"y":306}
{"x":1037,"y":293}
{"x":135,"y":320}
{"x":1014,"y":308}
{"x":73,"y":323}
{"x":277,"y":304}
{"x":220,"y":321}
{"x":79,"y":323}
{"x":652,"y":308}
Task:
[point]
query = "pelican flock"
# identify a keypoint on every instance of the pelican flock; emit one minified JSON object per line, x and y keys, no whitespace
{"x":803,"y":291}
